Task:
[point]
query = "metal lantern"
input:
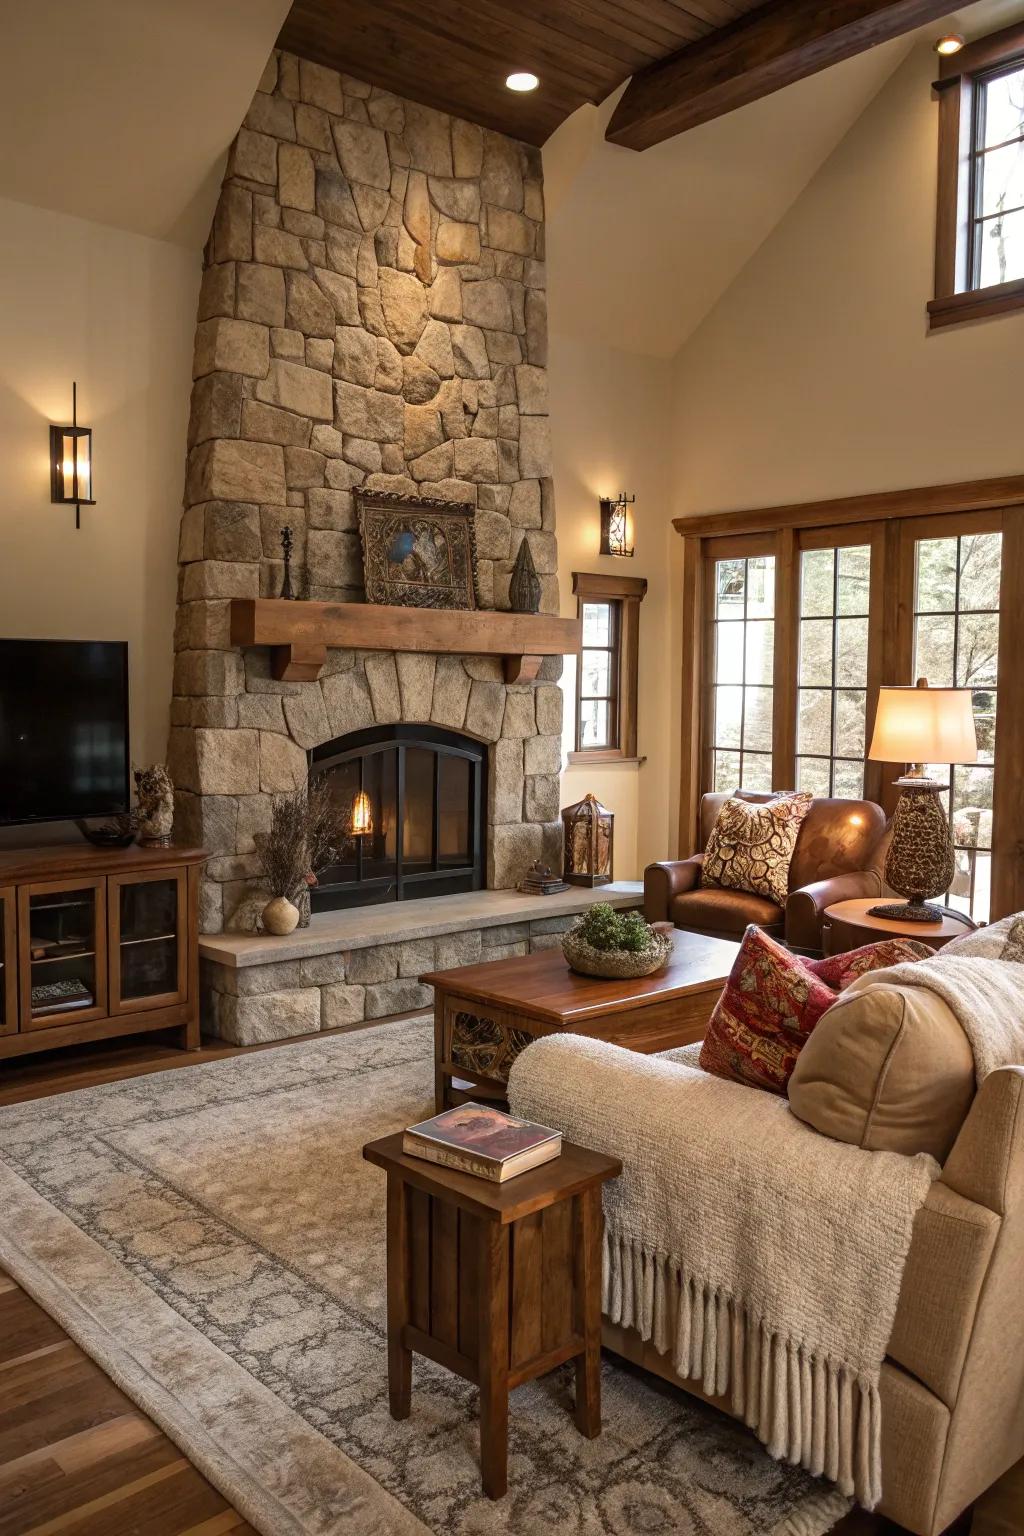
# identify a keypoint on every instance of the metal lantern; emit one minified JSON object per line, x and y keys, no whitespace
{"x":71,"y":463}
{"x":588,"y":842}
{"x":617,"y":525}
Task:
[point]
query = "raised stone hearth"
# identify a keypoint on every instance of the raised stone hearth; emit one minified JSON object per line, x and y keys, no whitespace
{"x":363,"y":964}
{"x":372,"y":314}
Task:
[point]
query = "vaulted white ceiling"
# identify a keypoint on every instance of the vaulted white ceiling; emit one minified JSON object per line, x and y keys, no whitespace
{"x":640,"y":246}
{"x":121,"y":110}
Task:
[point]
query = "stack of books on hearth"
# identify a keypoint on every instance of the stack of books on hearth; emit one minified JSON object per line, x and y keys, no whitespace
{"x":539,"y":881}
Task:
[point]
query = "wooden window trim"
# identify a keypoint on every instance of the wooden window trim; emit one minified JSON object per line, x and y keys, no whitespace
{"x":892,"y":522}
{"x":627,"y":593}
{"x":954,"y":302}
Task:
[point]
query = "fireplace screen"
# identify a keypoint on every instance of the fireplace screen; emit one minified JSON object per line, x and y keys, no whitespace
{"x":413,"y":802}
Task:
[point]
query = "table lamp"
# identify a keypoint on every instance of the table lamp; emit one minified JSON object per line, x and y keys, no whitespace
{"x":917,"y":726}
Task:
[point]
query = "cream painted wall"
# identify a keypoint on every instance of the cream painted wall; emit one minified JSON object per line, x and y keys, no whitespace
{"x":815,"y":375}
{"x":610,"y":423}
{"x":115,"y":311}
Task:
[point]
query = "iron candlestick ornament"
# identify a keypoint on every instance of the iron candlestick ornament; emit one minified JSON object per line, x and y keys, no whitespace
{"x":286,"y":550}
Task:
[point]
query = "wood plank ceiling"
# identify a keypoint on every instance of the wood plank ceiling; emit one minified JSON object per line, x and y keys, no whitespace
{"x":455,"y":54}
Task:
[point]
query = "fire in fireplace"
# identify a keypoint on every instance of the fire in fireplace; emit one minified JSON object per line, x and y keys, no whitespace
{"x":413,"y":802}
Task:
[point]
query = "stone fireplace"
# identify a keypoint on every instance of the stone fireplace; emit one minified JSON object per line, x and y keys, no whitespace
{"x":414,"y":800}
{"x":372,"y":314}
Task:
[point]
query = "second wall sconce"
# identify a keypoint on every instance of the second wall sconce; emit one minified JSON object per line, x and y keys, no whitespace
{"x":71,"y":463}
{"x":617,"y":525}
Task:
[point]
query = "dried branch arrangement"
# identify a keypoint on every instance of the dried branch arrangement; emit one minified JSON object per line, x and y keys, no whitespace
{"x":306,"y":832}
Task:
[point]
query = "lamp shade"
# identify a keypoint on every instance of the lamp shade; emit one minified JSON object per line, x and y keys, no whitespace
{"x":924,"y":725}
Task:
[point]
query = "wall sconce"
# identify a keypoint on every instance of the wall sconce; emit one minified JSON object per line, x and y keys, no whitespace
{"x":71,"y":463}
{"x":617,"y":525}
{"x":362,"y":815}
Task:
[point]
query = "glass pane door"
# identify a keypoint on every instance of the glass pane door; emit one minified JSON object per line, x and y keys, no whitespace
{"x":8,"y":963}
{"x":147,"y":960}
{"x":743,"y":651}
{"x":832,"y":680}
{"x":63,"y":938}
{"x":956,"y":645}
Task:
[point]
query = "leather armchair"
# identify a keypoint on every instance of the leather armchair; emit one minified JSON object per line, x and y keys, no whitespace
{"x":839,"y":855}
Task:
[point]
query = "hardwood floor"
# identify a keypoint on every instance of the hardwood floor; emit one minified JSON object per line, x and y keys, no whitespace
{"x":77,"y":1458}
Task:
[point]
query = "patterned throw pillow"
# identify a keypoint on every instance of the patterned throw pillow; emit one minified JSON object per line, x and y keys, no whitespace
{"x":839,"y":970}
{"x":751,"y":845}
{"x":766,"y":1012}
{"x":773,"y":1000}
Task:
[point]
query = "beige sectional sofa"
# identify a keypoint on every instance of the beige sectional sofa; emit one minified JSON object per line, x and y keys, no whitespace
{"x":891,"y":1070}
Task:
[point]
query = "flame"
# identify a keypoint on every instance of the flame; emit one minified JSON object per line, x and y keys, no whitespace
{"x":362,"y":814}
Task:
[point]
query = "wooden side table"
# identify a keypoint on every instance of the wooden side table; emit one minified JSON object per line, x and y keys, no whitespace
{"x":500,"y":1283}
{"x":848,"y":925}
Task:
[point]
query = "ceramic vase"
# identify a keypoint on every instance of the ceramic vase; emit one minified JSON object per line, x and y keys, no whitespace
{"x":280,"y":916}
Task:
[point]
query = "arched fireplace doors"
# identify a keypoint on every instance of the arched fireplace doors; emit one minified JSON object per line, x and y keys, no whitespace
{"x":413,"y":799}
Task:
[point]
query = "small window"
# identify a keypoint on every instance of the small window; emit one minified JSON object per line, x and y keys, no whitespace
{"x":597,"y":725}
{"x":979,"y":260}
{"x":607,"y":674}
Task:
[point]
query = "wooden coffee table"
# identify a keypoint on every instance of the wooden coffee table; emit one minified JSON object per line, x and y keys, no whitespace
{"x":484,"y":1015}
{"x":500,"y":1283}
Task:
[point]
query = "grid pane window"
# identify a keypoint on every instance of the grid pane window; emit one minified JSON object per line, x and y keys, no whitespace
{"x":956,"y":644}
{"x":742,"y":696}
{"x":997,"y":179}
{"x":597,"y":712}
{"x":833,"y":670}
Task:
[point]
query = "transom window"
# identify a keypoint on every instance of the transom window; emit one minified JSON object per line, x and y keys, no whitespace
{"x":997,"y":179}
{"x":979,"y":224}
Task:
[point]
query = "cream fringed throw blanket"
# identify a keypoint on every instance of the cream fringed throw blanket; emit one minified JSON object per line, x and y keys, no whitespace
{"x":765,"y":1258}
{"x":986,"y":996}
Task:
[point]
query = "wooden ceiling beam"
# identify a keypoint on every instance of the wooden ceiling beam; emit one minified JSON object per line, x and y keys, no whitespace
{"x":760,"y":52}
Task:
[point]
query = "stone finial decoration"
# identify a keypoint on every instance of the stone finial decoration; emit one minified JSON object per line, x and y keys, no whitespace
{"x":524,"y":589}
{"x":372,"y":314}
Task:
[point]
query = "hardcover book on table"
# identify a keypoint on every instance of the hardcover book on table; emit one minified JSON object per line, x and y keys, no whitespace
{"x":477,"y":1139}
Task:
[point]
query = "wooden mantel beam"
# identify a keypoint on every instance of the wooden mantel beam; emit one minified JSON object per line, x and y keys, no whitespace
{"x":758,"y":53}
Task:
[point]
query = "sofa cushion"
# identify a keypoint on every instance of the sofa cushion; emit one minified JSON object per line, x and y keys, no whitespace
{"x":768,"y":1008}
{"x":888,"y":1069}
{"x":717,"y":911}
{"x":751,"y":846}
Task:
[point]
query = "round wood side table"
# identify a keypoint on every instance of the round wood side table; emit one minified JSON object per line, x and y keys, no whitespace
{"x":848,"y":925}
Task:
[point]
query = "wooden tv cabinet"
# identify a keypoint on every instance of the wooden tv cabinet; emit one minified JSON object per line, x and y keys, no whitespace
{"x":97,"y":942}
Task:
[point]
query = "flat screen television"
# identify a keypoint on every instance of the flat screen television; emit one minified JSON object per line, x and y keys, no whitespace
{"x":64,"y":750}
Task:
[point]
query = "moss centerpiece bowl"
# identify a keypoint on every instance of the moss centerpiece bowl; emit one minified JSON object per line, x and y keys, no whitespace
{"x":615,"y":945}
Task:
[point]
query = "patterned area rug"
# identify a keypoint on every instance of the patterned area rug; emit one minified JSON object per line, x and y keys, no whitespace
{"x":212,"y":1236}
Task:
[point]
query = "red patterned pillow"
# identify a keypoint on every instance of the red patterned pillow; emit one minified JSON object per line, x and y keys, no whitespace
{"x":770,"y":1004}
{"x":839,"y":970}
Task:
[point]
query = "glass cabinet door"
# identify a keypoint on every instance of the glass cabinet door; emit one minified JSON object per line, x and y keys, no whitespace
{"x":63,"y":962}
{"x":8,"y":962}
{"x":147,"y":948}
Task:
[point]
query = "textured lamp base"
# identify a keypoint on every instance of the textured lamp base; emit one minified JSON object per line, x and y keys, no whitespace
{"x":907,"y":912}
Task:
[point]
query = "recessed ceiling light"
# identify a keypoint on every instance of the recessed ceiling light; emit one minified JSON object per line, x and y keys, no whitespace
{"x":951,"y":43}
{"x":522,"y":80}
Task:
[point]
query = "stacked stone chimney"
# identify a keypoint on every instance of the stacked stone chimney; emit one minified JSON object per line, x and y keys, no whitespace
{"x":372,"y":313}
